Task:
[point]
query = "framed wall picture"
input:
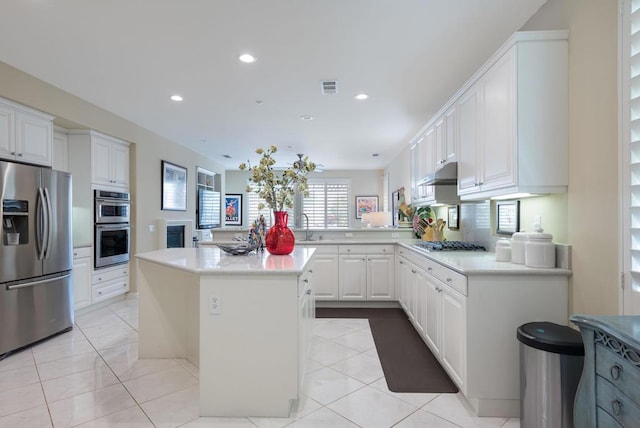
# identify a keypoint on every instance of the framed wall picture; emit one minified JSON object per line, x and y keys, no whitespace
{"x":452,"y":217}
{"x":174,"y":187}
{"x":366,"y":204}
{"x":507,"y":217}
{"x":233,"y":209}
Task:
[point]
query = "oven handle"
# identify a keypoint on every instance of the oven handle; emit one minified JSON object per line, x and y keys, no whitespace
{"x":117,"y":226}
{"x":113,"y":201}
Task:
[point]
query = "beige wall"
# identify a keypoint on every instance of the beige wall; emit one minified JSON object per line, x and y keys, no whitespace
{"x":592,"y":200}
{"x":147,"y":150}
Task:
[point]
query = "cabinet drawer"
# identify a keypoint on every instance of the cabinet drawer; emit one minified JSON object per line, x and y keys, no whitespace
{"x":109,"y":289}
{"x":106,"y":275}
{"x":622,"y":374}
{"x":605,"y":420}
{"x":366,"y":249}
{"x":617,"y":404}
{"x":453,"y":279}
{"x":82,"y":252}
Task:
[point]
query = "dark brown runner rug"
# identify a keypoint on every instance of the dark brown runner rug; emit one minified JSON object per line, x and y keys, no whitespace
{"x":407,"y":362}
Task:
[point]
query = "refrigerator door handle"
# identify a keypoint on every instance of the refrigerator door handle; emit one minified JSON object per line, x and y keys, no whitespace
{"x":48,"y":223}
{"x":40,"y":227}
{"x":42,"y":281}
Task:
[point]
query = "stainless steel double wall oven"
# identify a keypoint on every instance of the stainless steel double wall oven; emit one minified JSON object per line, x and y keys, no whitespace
{"x":112,"y":228}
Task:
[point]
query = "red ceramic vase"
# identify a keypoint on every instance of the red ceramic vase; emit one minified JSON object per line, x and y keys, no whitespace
{"x":280,"y":239}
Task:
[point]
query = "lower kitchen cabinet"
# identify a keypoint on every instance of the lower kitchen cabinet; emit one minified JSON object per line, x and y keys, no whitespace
{"x":469,"y":322}
{"x":325,"y":270}
{"x":109,"y":282}
{"x":82,"y":269}
{"x":367,"y":272}
{"x":453,"y":352}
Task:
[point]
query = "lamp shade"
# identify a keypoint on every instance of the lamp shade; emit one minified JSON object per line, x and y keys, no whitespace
{"x":380,"y":219}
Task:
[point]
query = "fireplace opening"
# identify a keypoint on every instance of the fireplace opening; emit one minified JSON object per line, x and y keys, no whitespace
{"x":175,"y":236}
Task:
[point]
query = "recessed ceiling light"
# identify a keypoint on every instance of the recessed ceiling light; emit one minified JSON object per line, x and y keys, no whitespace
{"x":361,"y":97}
{"x":176,"y":97}
{"x":306,"y":117}
{"x":248,"y":58}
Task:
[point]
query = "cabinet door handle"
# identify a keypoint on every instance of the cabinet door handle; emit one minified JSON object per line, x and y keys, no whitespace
{"x":429,"y":269}
{"x":19,"y":155}
{"x":616,"y":371}
{"x":13,"y":153}
{"x":413,"y":271}
{"x":308,"y":291}
{"x":616,"y":406}
{"x":449,"y":280}
{"x":306,"y":281}
{"x":401,"y":262}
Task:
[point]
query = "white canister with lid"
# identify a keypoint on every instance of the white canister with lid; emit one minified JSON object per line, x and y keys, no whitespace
{"x":503,"y":250}
{"x":518,"y":240}
{"x":540,"y":251}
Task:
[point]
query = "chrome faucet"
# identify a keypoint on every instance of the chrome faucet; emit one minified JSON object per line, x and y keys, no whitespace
{"x":307,"y":233}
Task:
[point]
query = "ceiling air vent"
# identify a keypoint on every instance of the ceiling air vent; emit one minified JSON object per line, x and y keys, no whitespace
{"x":329,"y":87}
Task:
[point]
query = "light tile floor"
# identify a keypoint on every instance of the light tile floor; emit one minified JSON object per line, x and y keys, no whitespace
{"x":92,"y":377}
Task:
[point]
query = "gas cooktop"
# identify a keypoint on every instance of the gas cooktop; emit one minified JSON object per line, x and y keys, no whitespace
{"x":449,"y":246}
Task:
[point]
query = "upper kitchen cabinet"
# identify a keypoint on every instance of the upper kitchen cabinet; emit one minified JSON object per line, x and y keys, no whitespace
{"x":512,"y":120}
{"x":26,"y":135}
{"x":108,"y":156}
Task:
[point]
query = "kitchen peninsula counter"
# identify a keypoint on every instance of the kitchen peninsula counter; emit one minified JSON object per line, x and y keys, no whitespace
{"x":481,"y":263}
{"x":245,"y":321}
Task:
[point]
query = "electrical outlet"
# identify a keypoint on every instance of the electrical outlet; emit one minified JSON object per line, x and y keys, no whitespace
{"x":152,"y":228}
{"x":215,"y":305}
{"x":348,"y":235}
{"x":395,"y":235}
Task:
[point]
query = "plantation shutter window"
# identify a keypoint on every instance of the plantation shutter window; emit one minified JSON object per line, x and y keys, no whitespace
{"x":327,"y":205}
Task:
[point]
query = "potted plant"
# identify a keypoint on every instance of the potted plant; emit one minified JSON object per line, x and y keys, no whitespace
{"x":277,"y":187}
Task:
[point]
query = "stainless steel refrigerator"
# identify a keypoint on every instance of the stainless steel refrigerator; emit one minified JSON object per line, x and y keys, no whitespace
{"x":36,"y":299}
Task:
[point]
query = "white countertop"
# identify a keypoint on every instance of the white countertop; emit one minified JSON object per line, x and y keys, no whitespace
{"x":482,"y":263}
{"x":346,"y":241}
{"x":211,"y":260}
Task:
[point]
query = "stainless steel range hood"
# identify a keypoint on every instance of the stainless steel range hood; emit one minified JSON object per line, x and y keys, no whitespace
{"x":447,"y":175}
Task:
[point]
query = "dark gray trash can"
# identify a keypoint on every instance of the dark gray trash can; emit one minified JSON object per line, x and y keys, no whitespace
{"x":551,"y":359}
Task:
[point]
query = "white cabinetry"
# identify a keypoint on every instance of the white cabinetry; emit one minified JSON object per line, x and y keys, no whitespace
{"x":326,"y":272}
{"x":109,"y":161}
{"x":505,"y":125}
{"x":82,"y":269}
{"x":469,"y":323}
{"x":306,"y":315}
{"x":435,"y":149}
{"x":109,"y":282}
{"x":26,"y":135}
{"x":60,"y":152}
{"x":108,"y":158}
{"x":367,"y":272}
{"x":445,"y":330}
{"x":513,"y":123}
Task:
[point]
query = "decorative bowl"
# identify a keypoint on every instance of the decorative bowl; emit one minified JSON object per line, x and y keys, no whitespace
{"x":238,"y":250}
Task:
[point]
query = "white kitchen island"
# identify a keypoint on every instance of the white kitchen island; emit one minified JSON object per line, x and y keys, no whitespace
{"x":245,"y":321}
